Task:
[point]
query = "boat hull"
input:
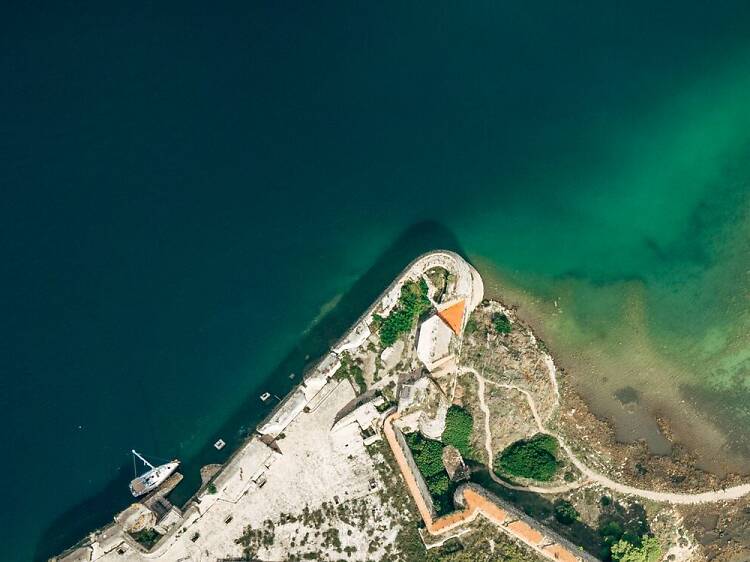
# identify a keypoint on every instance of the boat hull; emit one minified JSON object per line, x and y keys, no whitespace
{"x":151,"y":480}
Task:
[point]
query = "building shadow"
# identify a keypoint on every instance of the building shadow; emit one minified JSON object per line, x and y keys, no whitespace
{"x":96,"y":511}
{"x":615,"y":521}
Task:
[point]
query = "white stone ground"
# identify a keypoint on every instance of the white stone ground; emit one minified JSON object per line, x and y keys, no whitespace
{"x":315,"y":466}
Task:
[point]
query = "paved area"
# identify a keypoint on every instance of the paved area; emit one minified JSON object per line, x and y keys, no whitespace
{"x":315,"y":465}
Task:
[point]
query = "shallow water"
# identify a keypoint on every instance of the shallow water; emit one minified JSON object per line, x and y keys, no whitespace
{"x":189,"y":191}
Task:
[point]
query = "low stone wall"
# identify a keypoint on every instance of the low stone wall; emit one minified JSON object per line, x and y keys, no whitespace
{"x":516,"y":523}
{"x":421,"y":484}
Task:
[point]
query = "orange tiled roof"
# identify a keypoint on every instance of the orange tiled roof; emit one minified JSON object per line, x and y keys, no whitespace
{"x":454,"y":316}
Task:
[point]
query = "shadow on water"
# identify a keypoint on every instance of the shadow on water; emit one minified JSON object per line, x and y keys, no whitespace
{"x":71,"y":527}
{"x":98,"y":510}
{"x":614,"y":522}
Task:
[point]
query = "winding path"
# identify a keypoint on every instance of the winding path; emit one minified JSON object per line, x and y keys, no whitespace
{"x":481,"y":381}
{"x":590,"y":476}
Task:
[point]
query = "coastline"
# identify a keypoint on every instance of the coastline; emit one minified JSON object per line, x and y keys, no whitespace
{"x":385,"y":300}
{"x":675,"y":465}
{"x":95,"y":510}
{"x":607,"y":382}
{"x":318,"y":382}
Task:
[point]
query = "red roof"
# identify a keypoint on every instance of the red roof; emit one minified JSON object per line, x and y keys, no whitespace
{"x":453,"y":315}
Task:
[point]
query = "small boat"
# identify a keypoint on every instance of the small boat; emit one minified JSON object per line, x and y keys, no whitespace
{"x":153,"y":478}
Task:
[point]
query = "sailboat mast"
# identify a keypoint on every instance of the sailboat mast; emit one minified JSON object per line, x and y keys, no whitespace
{"x":148,"y":464}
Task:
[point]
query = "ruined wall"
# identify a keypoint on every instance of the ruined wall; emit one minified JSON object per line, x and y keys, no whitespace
{"x":421,"y":484}
{"x":551,"y":544}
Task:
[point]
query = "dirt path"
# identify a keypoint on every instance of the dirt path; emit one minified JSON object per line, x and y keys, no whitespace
{"x":481,"y":381}
{"x":732,"y":493}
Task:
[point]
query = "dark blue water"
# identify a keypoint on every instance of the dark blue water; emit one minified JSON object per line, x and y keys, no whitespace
{"x":186,"y":187}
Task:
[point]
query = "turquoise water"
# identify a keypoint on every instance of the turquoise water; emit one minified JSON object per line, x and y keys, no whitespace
{"x":188,"y":190}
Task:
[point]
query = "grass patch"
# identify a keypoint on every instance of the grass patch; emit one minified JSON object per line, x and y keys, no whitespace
{"x":412,"y":303}
{"x":458,"y":427}
{"x":533,"y":458}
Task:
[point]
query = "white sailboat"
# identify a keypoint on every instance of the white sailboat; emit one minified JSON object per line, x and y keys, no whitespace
{"x":153,"y":478}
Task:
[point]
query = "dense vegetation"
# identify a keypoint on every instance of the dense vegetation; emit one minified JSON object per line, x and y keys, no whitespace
{"x":146,"y":537}
{"x":647,"y":549}
{"x":428,"y":454}
{"x":457,"y":432}
{"x":412,"y":303}
{"x":625,"y":533}
{"x":533,"y":458}
{"x":501,"y":323}
{"x":565,"y":513}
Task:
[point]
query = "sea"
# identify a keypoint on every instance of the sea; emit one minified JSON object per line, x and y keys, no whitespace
{"x":198,"y":198}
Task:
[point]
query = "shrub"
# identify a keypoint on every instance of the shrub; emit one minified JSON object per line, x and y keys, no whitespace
{"x":457,"y":432}
{"x":611,"y":532}
{"x":412,"y":303}
{"x":648,"y":550}
{"x":565,"y":513}
{"x":146,"y":537}
{"x":501,"y":323}
{"x":211,"y":488}
{"x":533,"y":458}
{"x":349,"y":369}
{"x":359,"y":377}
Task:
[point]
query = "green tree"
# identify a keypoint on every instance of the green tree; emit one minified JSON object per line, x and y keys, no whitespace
{"x":501,"y":323}
{"x":533,"y":458}
{"x":412,"y":303}
{"x":565,"y":513}
{"x":458,"y":428}
{"x":611,"y":532}
{"x":439,"y":484}
{"x":146,"y":537}
{"x":427,"y":453}
{"x":648,"y":551}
